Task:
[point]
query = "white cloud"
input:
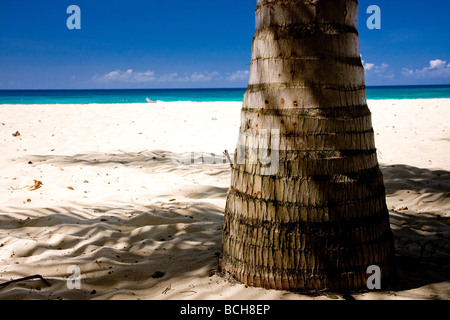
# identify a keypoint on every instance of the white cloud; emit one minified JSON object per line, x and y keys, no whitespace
{"x":437,"y":64}
{"x":368,"y":66}
{"x":381,"y":71}
{"x":144,"y":76}
{"x":373,"y":67}
{"x":169,"y":77}
{"x":382,"y":68}
{"x":126,"y":76}
{"x":376,"y":68}
{"x":131,"y":76}
{"x":200,"y":77}
{"x":238,"y":75}
{"x":436,"y":68}
{"x":194,"y":77}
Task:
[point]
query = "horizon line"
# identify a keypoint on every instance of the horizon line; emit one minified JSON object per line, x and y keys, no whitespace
{"x":206,"y":88}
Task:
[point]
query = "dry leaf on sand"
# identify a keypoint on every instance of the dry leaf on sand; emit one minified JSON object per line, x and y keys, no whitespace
{"x":37,"y":185}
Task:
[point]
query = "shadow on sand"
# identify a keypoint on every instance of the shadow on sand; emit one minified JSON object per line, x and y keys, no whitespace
{"x":422,"y":228}
{"x":121,"y":248}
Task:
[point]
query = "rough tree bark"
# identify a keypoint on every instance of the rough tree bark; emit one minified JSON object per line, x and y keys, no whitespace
{"x":321,"y":219}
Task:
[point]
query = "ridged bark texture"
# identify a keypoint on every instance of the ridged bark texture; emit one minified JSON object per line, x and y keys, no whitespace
{"x":321,"y":219}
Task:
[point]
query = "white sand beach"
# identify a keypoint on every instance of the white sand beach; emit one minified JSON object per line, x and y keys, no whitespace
{"x":96,"y":186}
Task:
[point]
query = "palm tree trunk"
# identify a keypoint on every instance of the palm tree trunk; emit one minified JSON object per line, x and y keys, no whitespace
{"x":320,"y":219}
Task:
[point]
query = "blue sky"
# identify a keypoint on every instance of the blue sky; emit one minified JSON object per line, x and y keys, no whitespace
{"x":199,"y":43}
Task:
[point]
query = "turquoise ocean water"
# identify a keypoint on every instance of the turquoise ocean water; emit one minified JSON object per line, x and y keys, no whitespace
{"x":199,"y":95}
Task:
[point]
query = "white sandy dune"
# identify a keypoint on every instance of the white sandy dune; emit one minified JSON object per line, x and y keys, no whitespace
{"x":100,"y":187}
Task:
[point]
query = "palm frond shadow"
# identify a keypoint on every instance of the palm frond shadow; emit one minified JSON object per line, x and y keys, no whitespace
{"x":115,"y":251}
{"x":152,"y":236}
{"x":422,"y":238}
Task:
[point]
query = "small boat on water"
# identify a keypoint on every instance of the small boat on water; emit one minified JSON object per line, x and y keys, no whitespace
{"x":149,"y":101}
